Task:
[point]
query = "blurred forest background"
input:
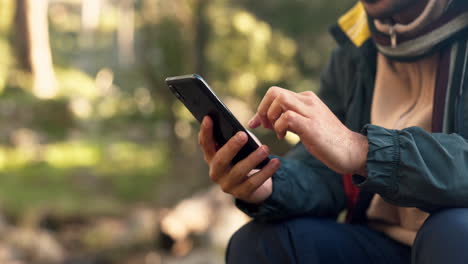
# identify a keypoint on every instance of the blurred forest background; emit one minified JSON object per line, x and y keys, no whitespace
{"x":94,"y":150}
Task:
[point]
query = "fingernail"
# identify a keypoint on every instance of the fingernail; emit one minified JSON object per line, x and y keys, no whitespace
{"x":253,"y":123}
{"x":241,"y":137}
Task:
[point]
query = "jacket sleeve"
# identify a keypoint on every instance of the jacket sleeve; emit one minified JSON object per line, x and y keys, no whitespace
{"x":303,"y":185}
{"x":414,"y":168}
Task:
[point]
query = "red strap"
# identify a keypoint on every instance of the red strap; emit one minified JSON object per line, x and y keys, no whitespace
{"x":351,"y":191}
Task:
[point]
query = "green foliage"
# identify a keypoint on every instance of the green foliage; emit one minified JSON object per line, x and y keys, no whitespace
{"x":75,"y":83}
{"x":21,"y":110}
{"x":246,"y":54}
{"x":79,"y":177}
{"x":5,"y":63}
{"x":6,"y":15}
{"x":114,"y":132}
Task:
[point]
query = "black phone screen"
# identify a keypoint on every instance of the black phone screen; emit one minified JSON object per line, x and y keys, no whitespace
{"x":200,"y":100}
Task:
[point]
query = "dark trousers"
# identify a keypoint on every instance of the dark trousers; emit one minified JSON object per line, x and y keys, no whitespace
{"x":442,"y":239}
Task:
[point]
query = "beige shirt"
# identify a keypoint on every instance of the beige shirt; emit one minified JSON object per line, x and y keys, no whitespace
{"x":403,"y":97}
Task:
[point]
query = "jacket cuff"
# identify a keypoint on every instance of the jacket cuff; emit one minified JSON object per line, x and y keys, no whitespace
{"x":267,"y":209}
{"x":383,"y":161}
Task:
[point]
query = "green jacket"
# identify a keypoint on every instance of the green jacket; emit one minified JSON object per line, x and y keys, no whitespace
{"x":409,"y":167}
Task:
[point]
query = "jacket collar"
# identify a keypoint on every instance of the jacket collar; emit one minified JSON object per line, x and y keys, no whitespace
{"x":353,"y":27}
{"x":356,"y":29}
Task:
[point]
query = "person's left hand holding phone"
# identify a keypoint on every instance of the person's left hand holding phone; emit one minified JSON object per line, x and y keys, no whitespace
{"x":241,"y":180}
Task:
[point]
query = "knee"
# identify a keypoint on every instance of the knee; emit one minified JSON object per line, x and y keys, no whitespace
{"x":258,"y":242}
{"x":242,"y":241}
{"x":442,"y":238}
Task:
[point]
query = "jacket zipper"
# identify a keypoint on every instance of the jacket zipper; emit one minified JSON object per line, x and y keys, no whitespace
{"x":393,"y":36}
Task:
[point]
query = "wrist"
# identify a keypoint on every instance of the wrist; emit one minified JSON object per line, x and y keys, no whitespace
{"x":359,"y":153}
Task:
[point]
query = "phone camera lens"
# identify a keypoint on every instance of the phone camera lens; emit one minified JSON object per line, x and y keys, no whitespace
{"x":178,"y":95}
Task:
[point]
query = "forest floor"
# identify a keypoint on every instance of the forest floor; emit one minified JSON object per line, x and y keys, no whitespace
{"x":195,"y":231}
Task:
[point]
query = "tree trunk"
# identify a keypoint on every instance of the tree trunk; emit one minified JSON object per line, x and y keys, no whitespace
{"x":126,"y":32}
{"x":201,"y":29}
{"x":90,"y":14}
{"x":33,"y":47}
{"x":22,"y":36}
{"x":173,"y":45}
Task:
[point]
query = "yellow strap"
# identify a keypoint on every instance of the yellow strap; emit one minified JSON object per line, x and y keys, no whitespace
{"x":354,"y":24}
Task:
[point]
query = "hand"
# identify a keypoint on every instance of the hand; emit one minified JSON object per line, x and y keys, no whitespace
{"x":241,"y":180}
{"x":321,"y":132}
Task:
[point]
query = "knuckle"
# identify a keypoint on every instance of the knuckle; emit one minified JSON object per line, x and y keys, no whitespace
{"x":271,"y":115}
{"x":260,"y":110}
{"x":272,"y":89}
{"x":278,"y":125}
{"x":225,"y":187}
{"x":311,"y":97}
{"x":234,"y":172}
{"x":240,"y":193}
{"x":236,"y":194}
{"x":206,"y":159}
{"x":288,"y":115}
{"x":289,"y":118}
{"x":216,"y":163}
{"x":278,"y":95}
{"x":309,"y":93}
{"x":281,"y":99}
{"x":212,"y":175}
{"x":249,"y":185}
{"x":277,"y":88}
{"x":200,"y":140}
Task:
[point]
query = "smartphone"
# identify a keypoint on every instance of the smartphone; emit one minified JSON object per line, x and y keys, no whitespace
{"x":201,"y":101}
